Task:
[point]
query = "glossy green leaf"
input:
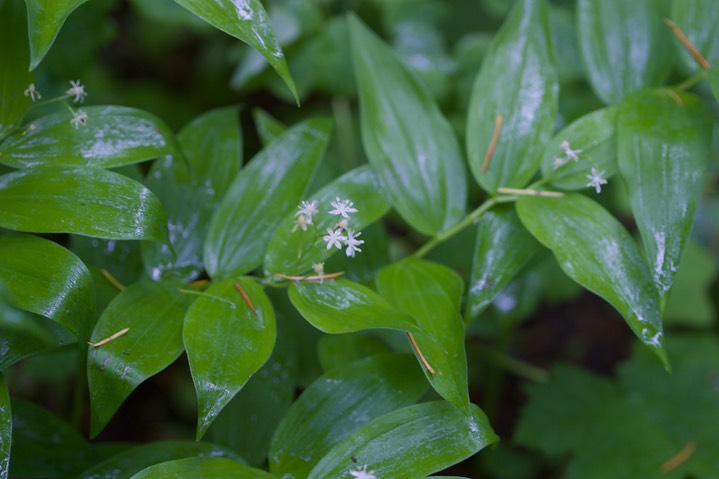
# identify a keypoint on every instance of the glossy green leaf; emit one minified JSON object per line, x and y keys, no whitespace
{"x":664,"y":147}
{"x":595,"y":137}
{"x":261,"y":403}
{"x":228,"y":338}
{"x":698,"y":20}
{"x":153,"y":314}
{"x":113,"y":136}
{"x":268,"y":127}
{"x":45,"y":18}
{"x":5,"y":429}
{"x":518,"y":81}
{"x":338,"y":403}
{"x":502,"y":249}
{"x":595,"y":250}
{"x":261,"y":196}
{"x":336,"y":350}
{"x":294,"y":252}
{"x":625,"y":45}
{"x":248,"y":21}
{"x":120,"y":258}
{"x":410,"y":442}
{"x":81,"y":200}
{"x":131,"y":461}
{"x":339,"y":306}
{"x":44,"y":278}
{"x":409,"y":143}
{"x":431,"y":294}
{"x":14,"y":58}
{"x":204,"y":467}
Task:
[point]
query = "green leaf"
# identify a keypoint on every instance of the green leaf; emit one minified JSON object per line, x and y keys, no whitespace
{"x":294,"y":252}
{"x":713,"y":77}
{"x":261,"y":403}
{"x":503,"y":248}
{"x":698,"y":20}
{"x":338,"y":403}
{"x":595,"y":136}
{"x":518,"y":81}
{"x":625,"y":46}
{"x":120,"y":258}
{"x":691,"y":303}
{"x":630,"y":427}
{"x":334,"y":351}
{"x":44,"y":278}
{"x":204,"y":467}
{"x":338,"y":306}
{"x":431,"y":293}
{"x":152,"y":314}
{"x":261,"y":196}
{"x":113,"y":136}
{"x":268,"y":127}
{"x":410,"y":442}
{"x":14,"y":58}
{"x":228,"y":337}
{"x":418,"y":162}
{"x":664,"y":147}
{"x":595,"y":250}
{"x":131,"y":461}
{"x":5,"y":429}
{"x":81,"y":200}
{"x":45,"y":18}
{"x":248,"y":21}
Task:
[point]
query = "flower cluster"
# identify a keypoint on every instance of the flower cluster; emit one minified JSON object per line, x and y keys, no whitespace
{"x":596,"y":178}
{"x":76,"y":90}
{"x":363,"y":473}
{"x":338,"y":236}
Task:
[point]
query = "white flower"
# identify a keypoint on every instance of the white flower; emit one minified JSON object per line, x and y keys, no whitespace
{"x":342,"y":207}
{"x":596,"y":179}
{"x":571,"y":154}
{"x":363,"y":473}
{"x":334,"y":238}
{"x":32,"y":92}
{"x":308,"y":209}
{"x":77,"y":90}
{"x":558,"y":162}
{"x":352,"y":243}
{"x":343,"y":224}
{"x":301,"y":222}
{"x":319,"y":268}
{"x":79,"y":118}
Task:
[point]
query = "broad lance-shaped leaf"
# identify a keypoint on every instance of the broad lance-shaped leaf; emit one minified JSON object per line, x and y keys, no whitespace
{"x":152,"y":314}
{"x":113,"y":136}
{"x":293,"y":250}
{"x":431,"y":293}
{"x":338,"y":306}
{"x":45,"y":18}
{"x":14,"y":58}
{"x":409,"y":443}
{"x":135,"y":459}
{"x":593,"y":139}
{"x":502,"y":249}
{"x":409,"y":143}
{"x":664,"y":145}
{"x":595,"y":250}
{"x":5,"y":429}
{"x":625,"y":45}
{"x":698,"y":20}
{"x":44,"y":278}
{"x":338,"y":403}
{"x":262,"y":195}
{"x":204,"y":467}
{"x":519,"y":82}
{"x":229,"y":332}
{"x":81,"y":200}
{"x":248,"y":21}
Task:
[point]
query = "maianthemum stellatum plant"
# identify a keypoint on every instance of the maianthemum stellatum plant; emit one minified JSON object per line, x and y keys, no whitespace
{"x":236,"y":252}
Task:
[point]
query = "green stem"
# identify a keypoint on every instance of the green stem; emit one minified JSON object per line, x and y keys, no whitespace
{"x":690,"y":82}
{"x":48,"y":102}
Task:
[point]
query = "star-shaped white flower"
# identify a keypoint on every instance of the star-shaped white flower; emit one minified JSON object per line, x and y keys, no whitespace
{"x":571,"y":154}
{"x":363,"y":473}
{"x":301,"y":222}
{"x":352,"y":243}
{"x":78,"y":118}
{"x":558,"y":162}
{"x":342,"y":207}
{"x":334,"y":238}
{"x":308,"y":209}
{"x":596,"y":179}
{"x":77,"y":90}
{"x":32,"y":92}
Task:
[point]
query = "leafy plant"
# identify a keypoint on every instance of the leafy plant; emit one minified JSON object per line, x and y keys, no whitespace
{"x":328,"y":249}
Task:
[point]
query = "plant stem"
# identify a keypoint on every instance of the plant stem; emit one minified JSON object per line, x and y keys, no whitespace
{"x":690,"y":82}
